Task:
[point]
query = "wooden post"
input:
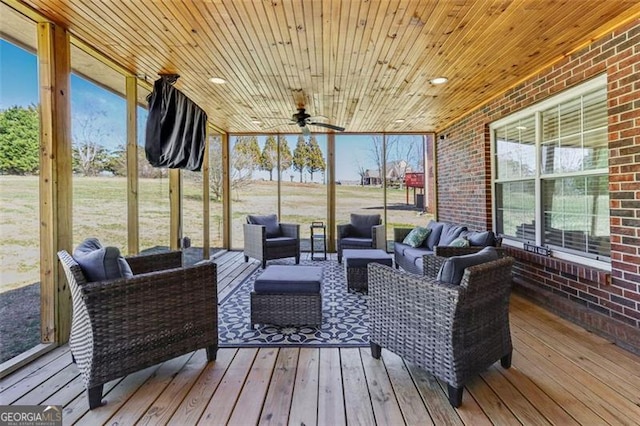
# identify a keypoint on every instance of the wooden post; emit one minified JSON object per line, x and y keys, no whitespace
{"x":331,"y":193}
{"x":133,"y":233}
{"x":226,"y":192}
{"x":206,"y":209}
{"x":55,"y":180}
{"x":175,"y":208}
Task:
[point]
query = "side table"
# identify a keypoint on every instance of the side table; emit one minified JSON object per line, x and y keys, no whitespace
{"x":318,"y":240}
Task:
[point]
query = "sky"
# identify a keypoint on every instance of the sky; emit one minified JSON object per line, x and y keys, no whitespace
{"x":102,"y":114}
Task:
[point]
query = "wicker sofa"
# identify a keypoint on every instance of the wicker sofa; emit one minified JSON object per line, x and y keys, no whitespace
{"x":442,"y":234}
{"x":123,"y":325}
{"x":452,"y":331}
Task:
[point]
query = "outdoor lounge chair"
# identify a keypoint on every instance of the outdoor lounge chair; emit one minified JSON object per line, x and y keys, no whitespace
{"x":265,"y":239}
{"x":452,"y":331}
{"x":364,"y":231}
{"x":123,"y":325}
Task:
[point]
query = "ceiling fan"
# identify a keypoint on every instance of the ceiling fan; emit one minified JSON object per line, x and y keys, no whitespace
{"x":302,"y":119}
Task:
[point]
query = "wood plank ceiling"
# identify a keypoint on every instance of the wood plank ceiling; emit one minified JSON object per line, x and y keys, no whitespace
{"x":359,"y":64}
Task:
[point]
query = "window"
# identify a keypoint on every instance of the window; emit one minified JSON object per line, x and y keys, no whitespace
{"x":98,"y":133}
{"x":551,"y":173}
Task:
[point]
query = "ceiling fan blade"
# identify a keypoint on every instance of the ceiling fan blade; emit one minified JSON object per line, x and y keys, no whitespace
{"x":305,"y":130}
{"x":328,"y":126}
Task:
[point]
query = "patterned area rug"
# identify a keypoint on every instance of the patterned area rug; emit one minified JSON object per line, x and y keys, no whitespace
{"x":345,"y":317}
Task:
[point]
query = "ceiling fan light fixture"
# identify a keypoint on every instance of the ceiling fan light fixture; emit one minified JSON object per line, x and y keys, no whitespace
{"x":217,"y":80}
{"x":439,"y":80}
{"x":399,"y":120}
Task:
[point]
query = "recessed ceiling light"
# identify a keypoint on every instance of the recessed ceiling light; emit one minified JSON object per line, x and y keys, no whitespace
{"x":439,"y":80}
{"x":256,"y":121}
{"x":400,"y":120}
{"x":217,"y":80}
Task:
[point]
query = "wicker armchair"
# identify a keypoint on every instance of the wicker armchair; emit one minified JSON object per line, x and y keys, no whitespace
{"x":452,"y":331}
{"x":124,"y":325}
{"x":265,"y":239}
{"x":362,"y":232}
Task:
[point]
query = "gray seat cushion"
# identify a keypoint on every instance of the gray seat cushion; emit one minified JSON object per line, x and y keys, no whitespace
{"x":270,"y":222}
{"x":361,"y":258}
{"x":399,"y":248}
{"x":453,"y":268}
{"x":356,"y":242}
{"x":414,"y":253}
{"x":361,"y":224}
{"x":280,"y":242}
{"x":100,"y":263}
{"x":278,"y":279}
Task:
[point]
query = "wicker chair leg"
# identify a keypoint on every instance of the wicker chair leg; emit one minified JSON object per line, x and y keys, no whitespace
{"x":94,"y":395}
{"x":297,"y":259}
{"x":246,"y":259}
{"x":376,"y":350}
{"x":505,"y":361}
{"x":264,"y":263}
{"x":73,"y":358}
{"x":212,"y":352}
{"x":455,"y":396}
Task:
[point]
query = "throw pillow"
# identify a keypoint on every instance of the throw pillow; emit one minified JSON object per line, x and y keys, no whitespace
{"x":416,"y":236}
{"x":100,"y":263}
{"x":449,"y":233}
{"x":270,"y":222}
{"x":453,"y":268}
{"x":481,"y":238}
{"x":459,"y":242}
{"x":434,"y":236}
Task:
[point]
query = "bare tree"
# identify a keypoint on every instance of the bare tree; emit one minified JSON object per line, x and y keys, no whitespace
{"x":245,"y":158}
{"x":215,"y":167}
{"x":89,"y":154}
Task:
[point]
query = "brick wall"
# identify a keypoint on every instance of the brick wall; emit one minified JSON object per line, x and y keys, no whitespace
{"x":606,"y":304}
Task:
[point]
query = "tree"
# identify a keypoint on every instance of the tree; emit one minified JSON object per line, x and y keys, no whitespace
{"x":286,"y":159}
{"x":89,"y":156}
{"x":269,"y":156}
{"x":377,"y":152}
{"x":245,"y":158}
{"x":300,"y":156}
{"x":315,"y":159}
{"x":116,"y":161}
{"x":19,"y":140}
{"x":216,"y":175}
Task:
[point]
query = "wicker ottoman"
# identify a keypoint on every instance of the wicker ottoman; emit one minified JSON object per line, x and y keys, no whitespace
{"x":355,"y":265}
{"x":287,"y":295}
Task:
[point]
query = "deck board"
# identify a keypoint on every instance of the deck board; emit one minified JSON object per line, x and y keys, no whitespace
{"x":277,"y":404}
{"x":304,"y":403}
{"x":560,"y":374}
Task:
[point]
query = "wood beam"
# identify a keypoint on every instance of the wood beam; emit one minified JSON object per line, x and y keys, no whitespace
{"x":226,"y":192}
{"x":175,"y":208}
{"x":133,"y":233}
{"x":55,"y":180}
{"x":331,"y":193}
{"x":206,"y":201}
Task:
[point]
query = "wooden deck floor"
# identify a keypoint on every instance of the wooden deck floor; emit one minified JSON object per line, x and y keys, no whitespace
{"x":561,"y":374}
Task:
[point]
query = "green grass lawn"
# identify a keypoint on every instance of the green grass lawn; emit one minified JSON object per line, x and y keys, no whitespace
{"x":100,"y":210}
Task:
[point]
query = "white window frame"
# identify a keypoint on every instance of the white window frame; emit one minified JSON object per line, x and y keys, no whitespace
{"x":536,"y":110}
